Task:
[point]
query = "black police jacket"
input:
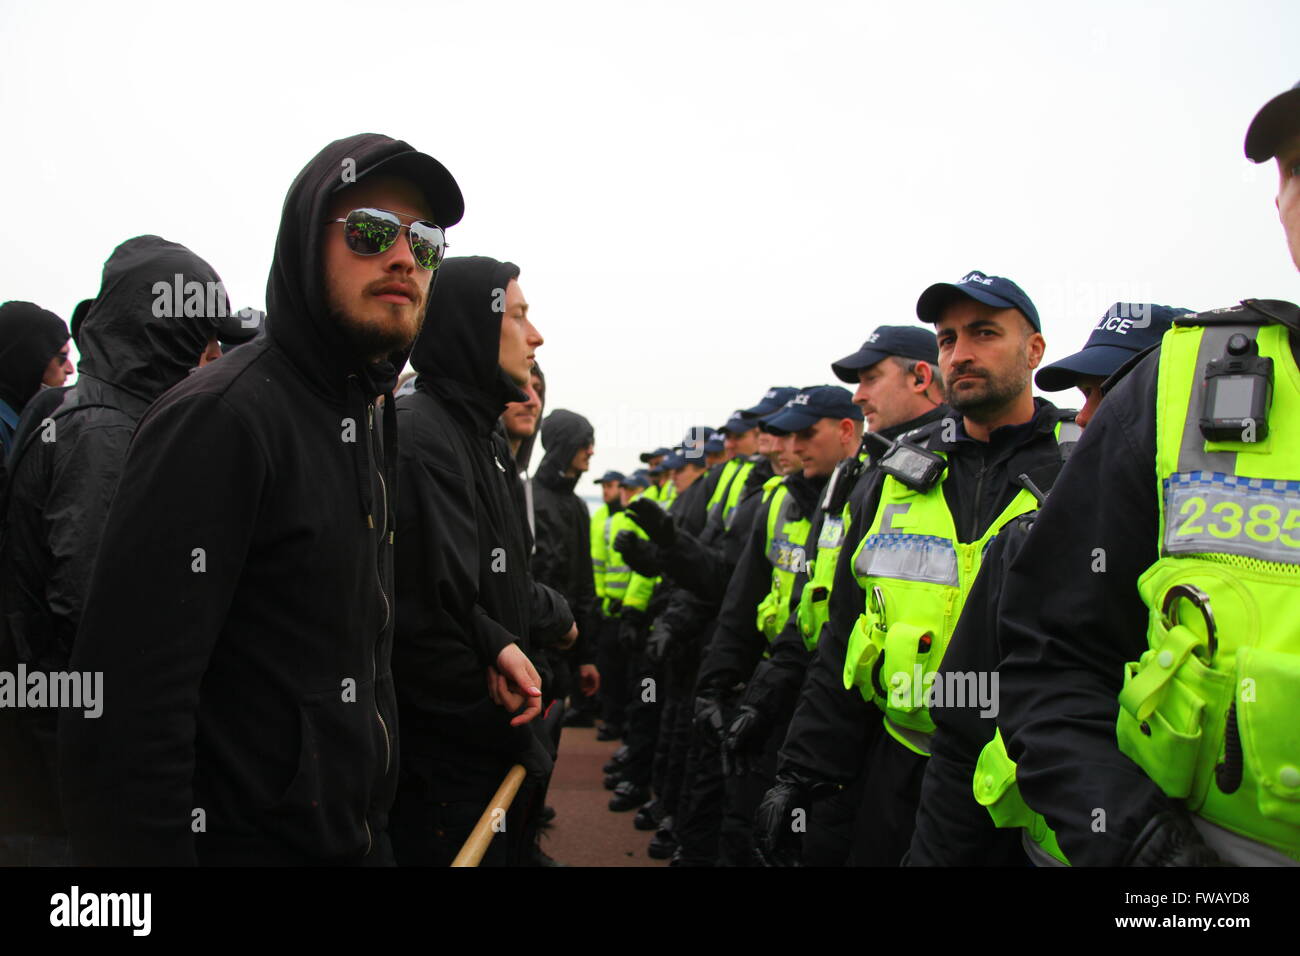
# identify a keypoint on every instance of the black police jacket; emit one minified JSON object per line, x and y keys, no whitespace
{"x":738,"y":645}
{"x":832,"y":727}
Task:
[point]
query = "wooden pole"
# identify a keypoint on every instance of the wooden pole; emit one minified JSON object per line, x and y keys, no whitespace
{"x":476,"y":845}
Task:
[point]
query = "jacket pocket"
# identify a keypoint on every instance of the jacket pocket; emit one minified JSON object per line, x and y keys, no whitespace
{"x":322,"y":812}
{"x":1269,"y":718}
{"x":1162,"y":714}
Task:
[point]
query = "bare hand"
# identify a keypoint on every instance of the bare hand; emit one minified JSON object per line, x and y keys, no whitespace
{"x":513,"y":683}
{"x":589,"y":677}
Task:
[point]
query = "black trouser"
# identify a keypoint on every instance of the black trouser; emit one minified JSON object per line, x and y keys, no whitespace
{"x":644,"y":703}
{"x":829,"y":839}
{"x":886,"y":820}
{"x":427,"y":830}
{"x":698,"y":821}
{"x":675,"y":726}
{"x":611,"y":660}
{"x":744,"y":794}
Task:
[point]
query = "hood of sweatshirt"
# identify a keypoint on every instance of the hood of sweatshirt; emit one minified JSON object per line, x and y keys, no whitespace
{"x":156,"y":307}
{"x":564,"y":434}
{"x":29,"y":337}
{"x":298,"y":318}
{"x":456,"y":354}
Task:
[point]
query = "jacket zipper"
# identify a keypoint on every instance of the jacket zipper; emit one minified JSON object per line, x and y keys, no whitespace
{"x":383,"y":532}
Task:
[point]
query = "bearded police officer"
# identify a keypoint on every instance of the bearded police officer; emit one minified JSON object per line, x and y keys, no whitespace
{"x":916,"y":533}
{"x":1151,"y":705}
{"x":991,"y":825}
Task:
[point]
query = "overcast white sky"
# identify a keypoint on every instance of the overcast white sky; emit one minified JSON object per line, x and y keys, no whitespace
{"x":705,"y":198}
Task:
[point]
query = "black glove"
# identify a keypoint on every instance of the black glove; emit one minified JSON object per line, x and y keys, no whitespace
{"x":779,"y":823}
{"x":654,"y":521}
{"x":1171,"y":839}
{"x":658,"y":643}
{"x":708,"y":717}
{"x":632,"y":630}
{"x":641,"y":556}
{"x":742,"y":746}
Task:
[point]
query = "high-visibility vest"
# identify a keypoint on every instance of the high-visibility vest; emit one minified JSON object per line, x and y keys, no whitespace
{"x":915,"y":576}
{"x":600,"y":548}
{"x":784,"y":547}
{"x":617,"y":573}
{"x":726,"y":495}
{"x":814,"y":601}
{"x":1211,"y":711}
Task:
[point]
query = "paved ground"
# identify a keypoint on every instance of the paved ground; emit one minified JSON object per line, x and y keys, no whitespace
{"x":586,"y":832}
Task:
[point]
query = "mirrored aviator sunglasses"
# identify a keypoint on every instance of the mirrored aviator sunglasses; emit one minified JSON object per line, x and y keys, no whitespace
{"x":371,"y":232}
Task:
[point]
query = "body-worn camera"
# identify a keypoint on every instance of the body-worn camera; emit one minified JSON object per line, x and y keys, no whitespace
{"x":1238,"y":393}
{"x":917,"y":468}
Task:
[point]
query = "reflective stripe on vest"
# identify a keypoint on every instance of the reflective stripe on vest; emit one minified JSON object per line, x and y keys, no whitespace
{"x":915,"y":576}
{"x":1214,"y":719}
{"x":787,"y":534}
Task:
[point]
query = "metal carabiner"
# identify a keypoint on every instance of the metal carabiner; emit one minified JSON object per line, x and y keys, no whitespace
{"x":1202,"y":602}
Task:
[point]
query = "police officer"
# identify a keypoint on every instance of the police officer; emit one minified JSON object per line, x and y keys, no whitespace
{"x":821,"y":427}
{"x":700,"y":568}
{"x":896,"y":371}
{"x":612,"y":696}
{"x":917,"y":531}
{"x":1151,"y":705}
{"x":993,"y":826}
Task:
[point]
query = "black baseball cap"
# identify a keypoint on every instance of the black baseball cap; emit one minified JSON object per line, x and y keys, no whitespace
{"x":691,"y":446}
{"x":638,"y":479}
{"x":657,"y":453}
{"x":905,"y":341}
{"x":426,"y":174}
{"x":715,"y":444}
{"x":1277,"y":119}
{"x":610,"y":476}
{"x":1126,"y":329}
{"x":773,"y":399}
{"x":811,"y":405}
{"x":681,"y":460}
{"x":739,"y":423}
{"x":991,"y":290}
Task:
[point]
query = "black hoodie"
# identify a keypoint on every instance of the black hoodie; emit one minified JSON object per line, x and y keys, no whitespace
{"x":29,"y":337}
{"x":61,"y":489}
{"x":243,"y":614}
{"x":563,"y":525}
{"x":464,"y":591}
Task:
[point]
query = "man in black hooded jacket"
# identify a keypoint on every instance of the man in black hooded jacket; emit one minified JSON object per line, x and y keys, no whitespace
{"x":243,"y":610}
{"x":70,"y":451}
{"x":563,"y":531}
{"x":33,"y":352}
{"x":466,"y":598}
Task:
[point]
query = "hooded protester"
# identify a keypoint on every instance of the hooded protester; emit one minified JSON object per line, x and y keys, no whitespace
{"x":65,"y":468}
{"x":31,"y":340}
{"x":249,"y":714}
{"x":466,"y":600}
{"x":563,"y":530}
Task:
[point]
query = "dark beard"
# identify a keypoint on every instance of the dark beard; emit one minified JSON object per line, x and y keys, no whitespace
{"x":998,"y":393}
{"x":364,"y":340}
